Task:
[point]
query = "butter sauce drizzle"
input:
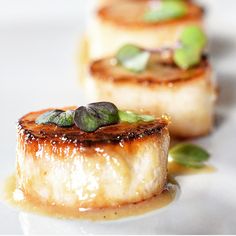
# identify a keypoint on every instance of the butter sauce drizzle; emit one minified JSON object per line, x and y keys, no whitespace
{"x":16,"y":197}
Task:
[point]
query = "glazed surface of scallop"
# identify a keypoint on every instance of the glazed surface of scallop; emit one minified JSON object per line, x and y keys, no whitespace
{"x":188,"y":96}
{"x":119,"y":23}
{"x":115,"y":165}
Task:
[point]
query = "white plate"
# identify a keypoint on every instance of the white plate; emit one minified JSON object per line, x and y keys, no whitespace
{"x":38,"y":42}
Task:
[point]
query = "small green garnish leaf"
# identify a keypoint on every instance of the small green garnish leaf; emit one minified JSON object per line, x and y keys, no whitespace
{"x":147,"y":118}
{"x":189,"y":155}
{"x":107,"y":112}
{"x":138,"y":63}
{"x":126,"y":52}
{"x":86,"y":119}
{"x":64,"y":119}
{"x":133,"y":58}
{"x":57,"y":117}
{"x":48,"y":117}
{"x":192,"y":42}
{"x":96,"y":115}
{"x":186,"y":57}
{"x":193,"y":36}
{"x":168,"y":9}
{"x":131,"y":117}
{"x":128,"y":116}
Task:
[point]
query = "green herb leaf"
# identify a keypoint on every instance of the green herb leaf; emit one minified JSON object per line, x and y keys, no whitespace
{"x":186,"y":57}
{"x":189,"y":155}
{"x":86,"y":119}
{"x":147,"y":118}
{"x":128,"y":116}
{"x":192,"y":41}
{"x":96,"y":115}
{"x":107,"y":112}
{"x":57,"y":117}
{"x":193,"y":36}
{"x":131,"y":117}
{"x":168,"y":9}
{"x":137,"y":63}
{"x":64,"y":119}
{"x":48,"y":117}
{"x":126,"y":52}
{"x":133,"y":58}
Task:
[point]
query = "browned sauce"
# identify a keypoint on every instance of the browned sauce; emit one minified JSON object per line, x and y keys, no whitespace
{"x":33,"y":205}
{"x":178,"y":170}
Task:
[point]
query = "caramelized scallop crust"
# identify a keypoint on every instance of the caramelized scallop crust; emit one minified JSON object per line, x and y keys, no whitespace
{"x":115,"y":13}
{"x":115,"y":165}
{"x":105,"y":135}
{"x":159,"y":71}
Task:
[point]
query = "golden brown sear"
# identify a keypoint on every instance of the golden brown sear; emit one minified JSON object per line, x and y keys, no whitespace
{"x":108,"y":134}
{"x":159,"y":70}
{"x":115,"y":14}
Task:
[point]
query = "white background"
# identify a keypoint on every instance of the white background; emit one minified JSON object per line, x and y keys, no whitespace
{"x":38,"y":44}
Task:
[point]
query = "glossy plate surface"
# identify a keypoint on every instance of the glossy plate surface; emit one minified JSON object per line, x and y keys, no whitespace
{"x":38,"y":43}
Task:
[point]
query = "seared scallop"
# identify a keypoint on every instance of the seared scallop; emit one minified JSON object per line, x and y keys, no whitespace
{"x":116,"y":24}
{"x":187,"y":96}
{"x":114,"y":165}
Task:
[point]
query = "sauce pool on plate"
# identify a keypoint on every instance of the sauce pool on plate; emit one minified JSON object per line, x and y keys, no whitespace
{"x":17,"y":198}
